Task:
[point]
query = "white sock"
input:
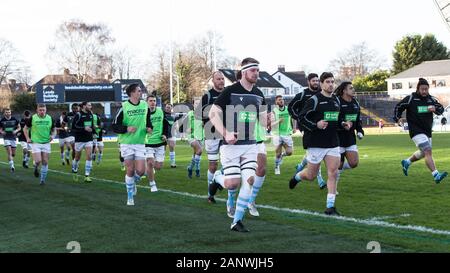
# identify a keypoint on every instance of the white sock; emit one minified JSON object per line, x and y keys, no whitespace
{"x":331,"y":199}
{"x":346,"y":166}
{"x":210,"y":177}
{"x":259,"y":181}
{"x":129,"y":183}
{"x":242,"y":201}
{"x":88,"y":167}
{"x":221,"y":180}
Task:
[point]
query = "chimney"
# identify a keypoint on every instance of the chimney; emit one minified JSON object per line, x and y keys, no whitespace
{"x":281,"y":68}
{"x":12,"y":83}
{"x":66,"y":72}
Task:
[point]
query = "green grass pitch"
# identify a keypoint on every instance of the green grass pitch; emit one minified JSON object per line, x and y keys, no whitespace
{"x":377,"y":202}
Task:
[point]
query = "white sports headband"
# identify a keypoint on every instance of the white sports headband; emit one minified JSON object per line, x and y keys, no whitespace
{"x":248,"y":66}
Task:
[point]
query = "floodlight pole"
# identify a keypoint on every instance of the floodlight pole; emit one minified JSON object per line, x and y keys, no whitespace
{"x":441,"y":12}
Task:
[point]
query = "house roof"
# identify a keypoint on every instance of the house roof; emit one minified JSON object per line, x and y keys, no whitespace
{"x":131,"y":81}
{"x":265,"y":80}
{"x":425,"y":69}
{"x":297,"y":76}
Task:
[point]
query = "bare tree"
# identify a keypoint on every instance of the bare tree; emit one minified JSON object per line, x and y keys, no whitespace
{"x":10,"y":61}
{"x":359,"y":60}
{"x":193,"y":66}
{"x":81,"y":47}
{"x":126,"y":65}
{"x":24,"y":75}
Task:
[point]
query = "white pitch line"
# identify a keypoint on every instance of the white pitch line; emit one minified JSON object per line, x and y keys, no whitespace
{"x":404,"y":215}
{"x":369,"y":222}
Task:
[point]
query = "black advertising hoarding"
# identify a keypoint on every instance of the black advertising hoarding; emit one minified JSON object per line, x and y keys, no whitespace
{"x":69,"y":93}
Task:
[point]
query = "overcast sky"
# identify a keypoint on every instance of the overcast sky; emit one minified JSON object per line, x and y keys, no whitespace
{"x":297,"y":34}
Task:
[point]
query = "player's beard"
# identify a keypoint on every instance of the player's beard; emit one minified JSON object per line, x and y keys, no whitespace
{"x":314,"y":88}
{"x":251,"y":80}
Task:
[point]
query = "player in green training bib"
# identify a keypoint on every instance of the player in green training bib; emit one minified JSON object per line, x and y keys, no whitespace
{"x":281,"y":130}
{"x":132,"y":123}
{"x":43,"y":132}
{"x":97,"y":150}
{"x":195,"y":138}
{"x":155,"y":141}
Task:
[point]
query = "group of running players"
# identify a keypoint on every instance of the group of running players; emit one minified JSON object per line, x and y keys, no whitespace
{"x":232,"y":124}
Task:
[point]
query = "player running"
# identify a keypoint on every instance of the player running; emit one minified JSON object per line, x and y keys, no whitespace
{"x":26,"y":147}
{"x":42,"y":130}
{"x":281,"y":130}
{"x":132,"y":123}
{"x":420,"y":107}
{"x":295,"y":107}
{"x":235,"y":114}
{"x":350,"y":111}
{"x":9,"y":127}
{"x":83,"y":127}
{"x":321,"y":120}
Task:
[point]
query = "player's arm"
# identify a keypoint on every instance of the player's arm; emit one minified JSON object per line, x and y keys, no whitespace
{"x":216,"y":117}
{"x":439,"y":109}
{"x":117,"y":124}
{"x":78,"y":124}
{"x":18,"y":128}
{"x":306,"y":116}
{"x":400,"y":108}
{"x":293,"y":106}
{"x":26,"y":129}
{"x":148,"y":123}
{"x":52,"y":131}
{"x":166,"y":130}
{"x":59,"y":126}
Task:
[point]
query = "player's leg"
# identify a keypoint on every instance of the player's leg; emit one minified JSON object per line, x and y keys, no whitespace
{"x":172,"y":144}
{"x":36,"y":158}
{"x":9,"y":155}
{"x":332,"y":161}
{"x":248,"y":169}
{"x":44,"y":169}
{"x":100,"y":147}
{"x":61,"y":150}
{"x":79,"y":146}
{"x":212,"y":150}
{"x":314,"y":157}
{"x":88,"y":167}
{"x":259,"y":179}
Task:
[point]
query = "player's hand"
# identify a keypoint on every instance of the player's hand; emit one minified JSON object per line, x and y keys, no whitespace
{"x":88,"y":129}
{"x":322,"y":125}
{"x":131,"y":129}
{"x":347,"y":125}
{"x":149,"y":130}
{"x":29,"y":141}
{"x":360,"y":135}
{"x":164,"y":138}
{"x":230,"y":137}
{"x":431,"y":108}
